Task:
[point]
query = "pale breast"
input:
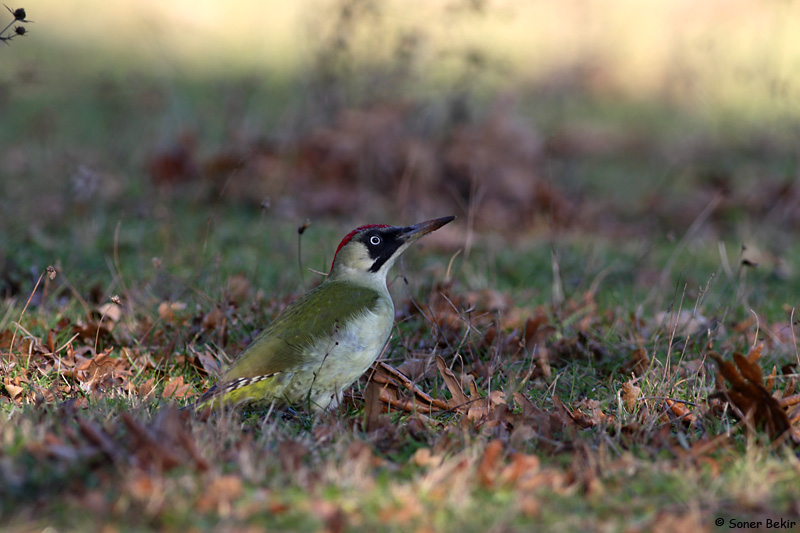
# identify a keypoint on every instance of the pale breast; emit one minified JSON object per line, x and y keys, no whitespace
{"x":342,"y":359}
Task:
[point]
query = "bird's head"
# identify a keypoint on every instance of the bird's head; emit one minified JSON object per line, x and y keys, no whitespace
{"x":368,"y":252}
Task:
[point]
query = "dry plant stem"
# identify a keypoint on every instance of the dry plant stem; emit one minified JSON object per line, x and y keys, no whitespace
{"x":676,"y":400}
{"x":723,"y":255}
{"x":672,"y":333}
{"x":97,"y":334}
{"x":8,"y":26}
{"x":758,"y":327}
{"x":22,"y":314}
{"x":15,"y":19}
{"x":700,"y":296}
{"x":450,"y":264}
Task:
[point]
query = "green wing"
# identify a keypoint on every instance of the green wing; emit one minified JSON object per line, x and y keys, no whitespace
{"x":284,"y":344}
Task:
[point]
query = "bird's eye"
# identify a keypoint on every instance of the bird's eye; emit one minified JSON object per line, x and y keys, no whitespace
{"x":374,"y":240}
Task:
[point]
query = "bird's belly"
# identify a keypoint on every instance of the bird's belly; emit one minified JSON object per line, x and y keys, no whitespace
{"x":342,"y":359}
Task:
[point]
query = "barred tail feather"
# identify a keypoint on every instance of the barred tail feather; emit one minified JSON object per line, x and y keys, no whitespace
{"x":231,"y":393}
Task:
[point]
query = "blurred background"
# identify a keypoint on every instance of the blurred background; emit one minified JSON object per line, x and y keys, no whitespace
{"x":163,"y":129}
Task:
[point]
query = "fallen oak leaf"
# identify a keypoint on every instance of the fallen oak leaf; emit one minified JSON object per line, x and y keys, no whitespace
{"x":176,"y":388}
{"x":100,"y":370}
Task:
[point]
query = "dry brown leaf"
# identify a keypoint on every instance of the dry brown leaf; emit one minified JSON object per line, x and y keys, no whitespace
{"x":238,"y":289}
{"x":372,"y":406}
{"x":392,"y":381}
{"x":51,"y":341}
{"x":102,"y":372}
{"x":744,"y":325}
{"x":535,"y":330}
{"x":208,"y":362}
{"x":168,"y":310}
{"x":630,"y":394}
{"x":790,"y":400}
{"x":529,"y":409}
{"x":13,"y":390}
{"x":748,"y":395}
{"x":459,"y":399}
{"x":770,"y":383}
{"x":749,"y":369}
{"x":147,"y":387}
{"x":520,"y":470}
{"x":638,"y":363}
{"x":755,"y":353}
{"x":416,"y":367}
{"x":489,"y":467}
{"x":213,"y":319}
{"x":680,"y":410}
{"x":176,"y":388}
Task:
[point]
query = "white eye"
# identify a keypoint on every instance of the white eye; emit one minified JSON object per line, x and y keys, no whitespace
{"x":374,"y":240}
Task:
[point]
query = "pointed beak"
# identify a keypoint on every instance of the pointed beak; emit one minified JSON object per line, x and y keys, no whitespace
{"x":412,"y":233}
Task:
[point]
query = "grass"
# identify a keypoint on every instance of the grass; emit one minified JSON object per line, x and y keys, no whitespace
{"x":626,"y":467}
{"x":567,"y":305}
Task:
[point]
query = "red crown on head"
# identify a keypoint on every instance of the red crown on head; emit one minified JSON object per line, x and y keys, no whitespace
{"x":352,"y":234}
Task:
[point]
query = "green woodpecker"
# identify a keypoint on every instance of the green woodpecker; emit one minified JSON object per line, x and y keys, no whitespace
{"x":323,"y":341}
